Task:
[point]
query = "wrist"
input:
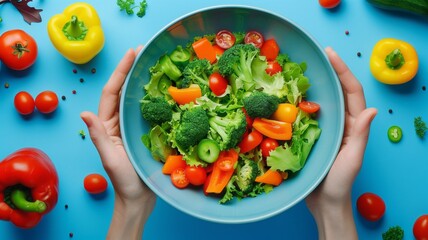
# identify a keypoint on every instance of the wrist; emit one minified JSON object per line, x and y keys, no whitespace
{"x":336,"y":221}
{"x":129,"y":218}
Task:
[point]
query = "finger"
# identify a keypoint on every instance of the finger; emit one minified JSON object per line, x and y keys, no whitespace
{"x":111,"y":91}
{"x":99,"y":136}
{"x":360,"y":132}
{"x":352,"y":89}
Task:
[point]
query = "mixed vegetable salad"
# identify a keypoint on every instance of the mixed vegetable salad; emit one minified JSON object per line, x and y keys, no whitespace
{"x":228,"y":112}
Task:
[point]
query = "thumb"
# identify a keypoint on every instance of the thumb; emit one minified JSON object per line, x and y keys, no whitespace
{"x":98,"y":134}
{"x":361,"y":130}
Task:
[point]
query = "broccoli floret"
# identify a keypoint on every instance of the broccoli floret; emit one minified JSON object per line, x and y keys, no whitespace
{"x":235,"y":64}
{"x":282,"y":58}
{"x":197,"y":71}
{"x":420,"y":127}
{"x":156,"y":110}
{"x":393,"y":233}
{"x":228,"y":130}
{"x":260,"y":104}
{"x":193,"y":127}
{"x":246,"y":172}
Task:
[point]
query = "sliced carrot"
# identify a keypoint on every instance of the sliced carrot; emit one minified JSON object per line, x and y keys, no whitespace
{"x":185,"y":95}
{"x":218,"y":50}
{"x":271,"y":177}
{"x":205,"y":50}
{"x":274,"y":129}
{"x":173,"y":162}
{"x":220,"y":176}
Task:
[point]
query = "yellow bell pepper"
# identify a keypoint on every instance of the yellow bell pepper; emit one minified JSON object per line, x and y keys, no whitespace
{"x":394,"y":61}
{"x":76,"y":33}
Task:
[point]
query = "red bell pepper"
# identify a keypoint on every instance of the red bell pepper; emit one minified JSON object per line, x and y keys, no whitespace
{"x":28,"y":187}
{"x":223,"y":170}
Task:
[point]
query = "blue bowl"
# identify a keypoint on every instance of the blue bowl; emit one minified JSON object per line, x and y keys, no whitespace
{"x":325,"y":89}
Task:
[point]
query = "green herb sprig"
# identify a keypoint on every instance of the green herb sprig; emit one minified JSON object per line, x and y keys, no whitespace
{"x":129,"y":7}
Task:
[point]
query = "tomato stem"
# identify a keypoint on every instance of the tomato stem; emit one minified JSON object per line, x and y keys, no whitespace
{"x":395,"y":59}
{"x":75,"y":30}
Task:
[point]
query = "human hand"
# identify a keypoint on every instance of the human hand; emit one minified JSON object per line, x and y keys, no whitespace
{"x":134,"y":201}
{"x":331,"y":203}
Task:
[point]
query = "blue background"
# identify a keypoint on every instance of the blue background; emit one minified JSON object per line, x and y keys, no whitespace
{"x":396,"y":172}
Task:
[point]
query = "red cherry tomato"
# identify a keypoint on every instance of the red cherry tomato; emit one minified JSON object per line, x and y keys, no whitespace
{"x":46,"y":102}
{"x":196,"y":175}
{"x":420,"y":228}
{"x":225,"y":39}
{"x":255,"y":38}
{"x":95,"y":183}
{"x":329,"y":3}
{"x":273,"y":67}
{"x":218,"y":84}
{"x":371,"y":206}
{"x":267,"y":145}
{"x":309,"y":107}
{"x":270,"y":49}
{"x":18,"y":50}
{"x":250,"y":141}
{"x":24,"y":103}
{"x":225,"y":164}
{"x":179,"y":179}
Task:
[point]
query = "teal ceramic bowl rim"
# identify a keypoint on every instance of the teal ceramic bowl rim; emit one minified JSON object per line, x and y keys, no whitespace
{"x":286,"y":206}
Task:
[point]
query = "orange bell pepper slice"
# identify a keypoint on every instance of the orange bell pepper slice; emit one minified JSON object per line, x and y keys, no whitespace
{"x":173,"y":162}
{"x":271,"y":177}
{"x":185,"y":95}
{"x":274,"y":129}
{"x":205,"y":50}
{"x":221,"y":175}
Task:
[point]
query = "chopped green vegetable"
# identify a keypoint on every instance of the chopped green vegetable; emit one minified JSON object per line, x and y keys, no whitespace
{"x":393,"y":233}
{"x":129,"y":5}
{"x":156,"y":110}
{"x":420,"y":127}
{"x":82,"y":133}
{"x":395,"y":134}
{"x":260,"y":104}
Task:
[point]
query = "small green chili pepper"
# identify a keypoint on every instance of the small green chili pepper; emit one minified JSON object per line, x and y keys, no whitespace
{"x":395,"y":134}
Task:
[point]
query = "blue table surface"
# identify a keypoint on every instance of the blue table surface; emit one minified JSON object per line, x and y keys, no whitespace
{"x":396,"y":172}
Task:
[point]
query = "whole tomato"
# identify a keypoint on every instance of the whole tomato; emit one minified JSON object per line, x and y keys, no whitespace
{"x":18,"y":50}
{"x":420,"y":228}
{"x":329,"y":3}
{"x":95,"y":183}
{"x":46,"y":102}
{"x":24,"y":103}
{"x":371,"y":206}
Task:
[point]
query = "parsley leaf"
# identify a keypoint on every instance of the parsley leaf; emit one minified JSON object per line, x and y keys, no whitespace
{"x":129,"y":5}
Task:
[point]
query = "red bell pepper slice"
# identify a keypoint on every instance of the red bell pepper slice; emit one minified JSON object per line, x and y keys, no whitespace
{"x":27,"y":174}
{"x":221,"y":174}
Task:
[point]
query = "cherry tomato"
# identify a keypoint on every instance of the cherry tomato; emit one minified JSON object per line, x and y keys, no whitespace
{"x":270,"y":49}
{"x":255,"y":38}
{"x":329,"y":3}
{"x":18,"y":50}
{"x":179,"y":179}
{"x":371,"y":206}
{"x":420,"y":228}
{"x":218,"y":84}
{"x":267,"y":145}
{"x":225,"y":163}
{"x":309,"y":107}
{"x":46,"y":102}
{"x":95,"y":183}
{"x":24,"y":103}
{"x":250,"y":141}
{"x":196,"y":175}
{"x":273,"y":67}
{"x":225,"y":39}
